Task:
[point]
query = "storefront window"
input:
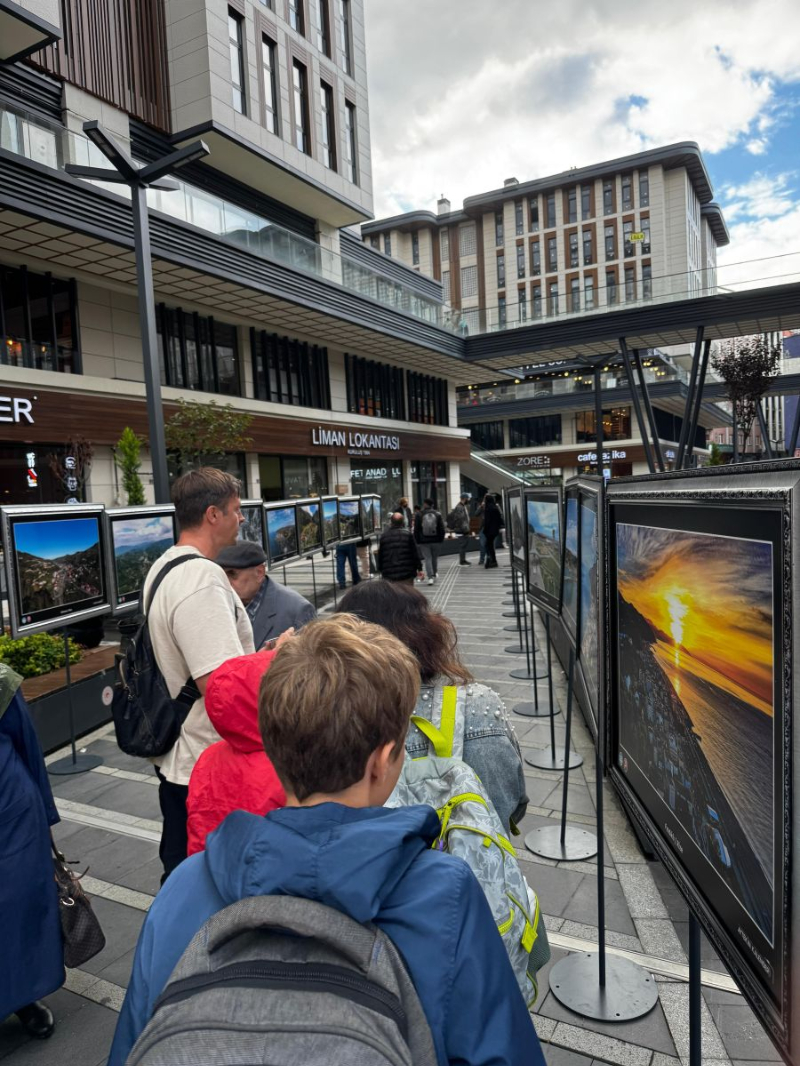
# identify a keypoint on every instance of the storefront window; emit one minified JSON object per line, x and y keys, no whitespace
{"x":384,"y":478}
{"x":429,"y":481}
{"x":37,"y":321}
{"x":25,"y":474}
{"x":616,"y":425}
{"x":292,"y":477}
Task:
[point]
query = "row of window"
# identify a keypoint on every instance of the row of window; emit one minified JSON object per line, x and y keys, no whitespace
{"x":578,"y":243}
{"x":543,"y":431}
{"x":289,"y":371}
{"x":581,"y":295}
{"x":383,"y":391}
{"x":301,"y":103}
{"x":197,"y":352}
{"x":299,"y":23}
{"x":38,"y":321}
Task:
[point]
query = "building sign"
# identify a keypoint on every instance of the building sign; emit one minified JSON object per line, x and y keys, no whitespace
{"x":591,"y":457}
{"x":16,"y":409}
{"x":636,"y":237}
{"x":356,"y":442}
{"x":32,"y":476}
{"x":534,"y":462}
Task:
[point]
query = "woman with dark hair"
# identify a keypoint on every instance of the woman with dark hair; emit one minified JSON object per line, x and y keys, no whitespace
{"x":483,"y":737}
{"x":492,"y":524}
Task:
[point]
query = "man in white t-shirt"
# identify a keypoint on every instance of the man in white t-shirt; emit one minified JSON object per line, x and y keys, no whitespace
{"x":197,"y":622}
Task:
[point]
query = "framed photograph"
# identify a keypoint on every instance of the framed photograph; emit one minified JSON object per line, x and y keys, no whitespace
{"x":349,"y":518}
{"x":543,"y":510}
{"x":330,"y":520}
{"x":570,"y":565}
{"x":254,"y":527}
{"x":282,"y":544}
{"x":377,"y":517}
{"x":367,"y":514}
{"x":515,"y":528}
{"x":309,"y":525}
{"x":55,"y":559}
{"x":588,"y":491}
{"x":136,"y":537}
{"x":701,"y":648}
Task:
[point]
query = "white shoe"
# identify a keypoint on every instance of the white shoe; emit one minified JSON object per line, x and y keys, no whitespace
{"x":430,"y":580}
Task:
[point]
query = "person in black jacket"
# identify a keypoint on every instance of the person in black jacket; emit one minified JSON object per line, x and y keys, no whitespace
{"x":492,"y":524}
{"x":429,"y":534}
{"x":398,"y":555}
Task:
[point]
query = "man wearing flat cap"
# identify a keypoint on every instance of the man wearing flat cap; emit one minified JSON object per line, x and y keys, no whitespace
{"x":273,"y":608}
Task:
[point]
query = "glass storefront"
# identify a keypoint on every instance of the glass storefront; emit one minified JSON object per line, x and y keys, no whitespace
{"x":26,"y":477}
{"x":292,"y":478}
{"x":381,"y":477}
{"x":429,"y":482}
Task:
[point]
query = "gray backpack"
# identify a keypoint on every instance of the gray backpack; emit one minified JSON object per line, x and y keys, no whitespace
{"x":288,"y":982}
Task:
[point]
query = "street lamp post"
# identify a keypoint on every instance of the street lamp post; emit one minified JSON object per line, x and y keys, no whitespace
{"x":139,"y":179}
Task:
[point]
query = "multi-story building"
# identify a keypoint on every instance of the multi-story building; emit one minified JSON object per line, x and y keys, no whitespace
{"x":265,"y":300}
{"x":627,"y":230}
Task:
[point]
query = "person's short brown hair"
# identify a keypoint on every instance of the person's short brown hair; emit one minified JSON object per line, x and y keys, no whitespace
{"x":197,"y":490}
{"x":334,"y":694}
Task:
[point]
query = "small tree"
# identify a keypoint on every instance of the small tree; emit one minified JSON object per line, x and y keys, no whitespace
{"x":73,"y":467}
{"x":715,"y":459}
{"x":198,"y":429}
{"x":127,"y":458}
{"x":746,"y":367}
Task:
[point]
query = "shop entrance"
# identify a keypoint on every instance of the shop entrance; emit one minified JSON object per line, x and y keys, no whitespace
{"x":383,"y":478}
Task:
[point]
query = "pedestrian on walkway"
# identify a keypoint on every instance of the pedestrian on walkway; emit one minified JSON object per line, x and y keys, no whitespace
{"x":399,"y":558}
{"x":458,"y":522}
{"x":197,"y":622}
{"x":492,"y":524}
{"x":33,"y":951}
{"x":347,"y":553}
{"x":429,"y":534}
{"x":404,"y":509}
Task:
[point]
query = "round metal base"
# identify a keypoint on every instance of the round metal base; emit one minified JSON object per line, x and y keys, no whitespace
{"x":543,"y":760}
{"x":510,"y":629}
{"x":528,"y":710}
{"x":629,"y":992}
{"x":546,"y":842}
{"x":81,"y":764}
{"x":509,"y":614}
{"x":514,"y":649}
{"x":527,"y":675}
{"x":507,"y":603}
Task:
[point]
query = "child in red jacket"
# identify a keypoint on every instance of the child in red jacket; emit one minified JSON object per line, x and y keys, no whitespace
{"x":234,"y":774}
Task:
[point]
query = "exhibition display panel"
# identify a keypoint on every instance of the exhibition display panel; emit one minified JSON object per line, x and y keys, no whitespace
{"x":377,"y":518}
{"x":515,"y":531}
{"x":309,"y":525}
{"x":55,"y":565}
{"x":282,"y":543}
{"x":569,"y":595}
{"x":136,"y":538}
{"x":543,"y":509}
{"x":349,"y":518}
{"x":701,"y":646}
{"x":367,"y":514}
{"x":330,"y":519}
{"x":253,"y":527}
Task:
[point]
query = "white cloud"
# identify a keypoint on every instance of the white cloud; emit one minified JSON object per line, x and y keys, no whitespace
{"x":764,"y":219}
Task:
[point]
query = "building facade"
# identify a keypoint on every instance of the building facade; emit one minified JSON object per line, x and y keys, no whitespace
{"x":265,"y":301}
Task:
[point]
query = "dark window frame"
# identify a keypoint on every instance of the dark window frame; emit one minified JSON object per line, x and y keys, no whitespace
{"x":301,"y":137}
{"x":324,"y":28}
{"x":289,"y":371}
{"x":236,"y":45}
{"x":296,"y":16}
{"x":346,"y":35}
{"x":351,"y":142}
{"x":27,"y":345}
{"x":327,"y":99}
{"x":270,"y":88}
{"x":189,"y":347}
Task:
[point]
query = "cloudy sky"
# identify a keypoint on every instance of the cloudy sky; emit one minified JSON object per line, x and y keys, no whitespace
{"x":465,"y":93}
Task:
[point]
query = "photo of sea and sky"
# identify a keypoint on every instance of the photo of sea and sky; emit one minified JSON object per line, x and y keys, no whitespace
{"x":544,"y":547}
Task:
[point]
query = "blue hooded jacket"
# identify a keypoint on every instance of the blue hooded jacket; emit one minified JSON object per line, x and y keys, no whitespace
{"x":374,"y":864}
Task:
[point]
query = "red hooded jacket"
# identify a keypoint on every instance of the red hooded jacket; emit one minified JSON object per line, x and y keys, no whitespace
{"x":234,"y":774}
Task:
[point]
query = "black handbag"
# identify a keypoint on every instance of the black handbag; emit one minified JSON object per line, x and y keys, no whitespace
{"x":80,"y":928}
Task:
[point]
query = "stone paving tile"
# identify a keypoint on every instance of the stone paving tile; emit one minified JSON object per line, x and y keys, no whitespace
{"x":744,"y":1038}
{"x":121,"y":926}
{"x":83,"y":1035}
{"x":134,"y":798}
{"x":582,"y":906}
{"x":120,"y":860}
{"x":602,"y":1047}
{"x":559,"y":1056}
{"x":644,"y":899}
{"x":651,"y":1032}
{"x":674,"y":999}
{"x":659,"y":938}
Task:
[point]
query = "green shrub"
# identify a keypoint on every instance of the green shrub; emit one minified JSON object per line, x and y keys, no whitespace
{"x":37,"y":654}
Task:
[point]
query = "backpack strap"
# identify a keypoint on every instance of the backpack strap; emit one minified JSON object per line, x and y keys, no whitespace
{"x":442,"y":738}
{"x":189,"y":692}
{"x":171,"y":565}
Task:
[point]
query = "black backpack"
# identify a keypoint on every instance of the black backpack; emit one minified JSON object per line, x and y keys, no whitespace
{"x":147,"y":719}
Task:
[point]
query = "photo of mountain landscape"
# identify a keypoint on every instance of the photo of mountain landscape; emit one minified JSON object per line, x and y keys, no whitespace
{"x":58,"y":564}
{"x":695,"y":633}
{"x":569,"y":605}
{"x":517,"y":531}
{"x":281,"y":533}
{"x":544,"y":549}
{"x":252,"y":528}
{"x":137,"y":541}
{"x":349,"y":519}
{"x":588,"y":637}
{"x":330,"y":520}
{"x":309,"y":526}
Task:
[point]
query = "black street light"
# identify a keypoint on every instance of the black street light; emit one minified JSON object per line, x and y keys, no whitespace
{"x":139,"y":180}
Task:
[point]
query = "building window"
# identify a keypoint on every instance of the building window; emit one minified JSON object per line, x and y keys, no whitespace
{"x":375,"y":241}
{"x":534,"y":432}
{"x":588,"y":293}
{"x":446,"y":293}
{"x":324,"y":28}
{"x":501,"y":271}
{"x":611,"y":286}
{"x":38,"y":321}
{"x":429,"y":482}
{"x":300,"y":89}
{"x":374,"y":389}
{"x":522,"y":306}
{"x":552,"y":253}
{"x":616,"y":425}
{"x":297,"y":17}
{"x":536,"y":259}
{"x":289,"y":371}
{"x":236,"y":48}
{"x":488,"y":435}
{"x":467,"y":239}
{"x":644,"y":189}
{"x":415,"y":249}
{"x":608,"y":197}
{"x":519,"y":222}
{"x":552,"y":299}
{"x":645,"y":228}
{"x":588,"y":257}
{"x":629,"y":248}
{"x":627,"y":192}
{"x":444,"y":239}
{"x":573,"y":248}
{"x":269,"y":77}
{"x":520,"y":260}
{"x":427,"y":400}
{"x":550,"y":202}
{"x":501,"y":312}
{"x":586,"y":201}
{"x":197,"y":352}
{"x":630,"y":283}
{"x":611,"y":241}
{"x":572,"y":205}
{"x":536,"y":300}
{"x":498,"y":229}
{"x":533,"y":205}
{"x":350,"y":143}
{"x":647,"y":282}
{"x":469,"y":281}
{"x":575,"y":294}
{"x":387,"y":244}
{"x":346,"y":35}
{"x":328,"y":126}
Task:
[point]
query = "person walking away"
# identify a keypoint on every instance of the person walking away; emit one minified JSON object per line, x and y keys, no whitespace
{"x":429,"y":534}
{"x":197,"y":622}
{"x":492,"y":524}
{"x":399,"y":558}
{"x":458,"y":522}
{"x":336,"y":844}
{"x":234,"y":774}
{"x":347,"y":553}
{"x":404,"y":509}
{"x":271,"y":607}
{"x":33,"y":951}
{"x":499,"y":543}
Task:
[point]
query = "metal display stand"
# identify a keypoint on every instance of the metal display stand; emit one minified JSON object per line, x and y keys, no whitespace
{"x":530,"y":709}
{"x":518,"y":598}
{"x":76,"y":763}
{"x":695,"y":994}
{"x":549,"y":758}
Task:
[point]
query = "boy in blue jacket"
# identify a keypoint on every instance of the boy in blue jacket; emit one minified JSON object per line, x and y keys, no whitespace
{"x":334,"y":712}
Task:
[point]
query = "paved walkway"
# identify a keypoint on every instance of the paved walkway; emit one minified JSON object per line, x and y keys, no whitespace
{"x":110,"y":821}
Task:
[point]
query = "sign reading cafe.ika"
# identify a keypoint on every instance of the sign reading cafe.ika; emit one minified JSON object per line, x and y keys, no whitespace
{"x":354,"y":440}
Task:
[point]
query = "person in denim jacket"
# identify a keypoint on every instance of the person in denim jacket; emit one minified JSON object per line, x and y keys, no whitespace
{"x":489,"y":744}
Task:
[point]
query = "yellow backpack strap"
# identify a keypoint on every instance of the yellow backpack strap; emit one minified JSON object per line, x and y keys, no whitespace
{"x":441,"y":739}
{"x":437,"y":739}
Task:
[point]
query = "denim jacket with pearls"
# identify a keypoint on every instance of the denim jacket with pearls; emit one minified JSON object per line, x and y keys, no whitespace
{"x":490,"y":745}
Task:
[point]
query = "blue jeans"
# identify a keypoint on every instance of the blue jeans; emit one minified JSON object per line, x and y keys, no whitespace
{"x":346,"y":552}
